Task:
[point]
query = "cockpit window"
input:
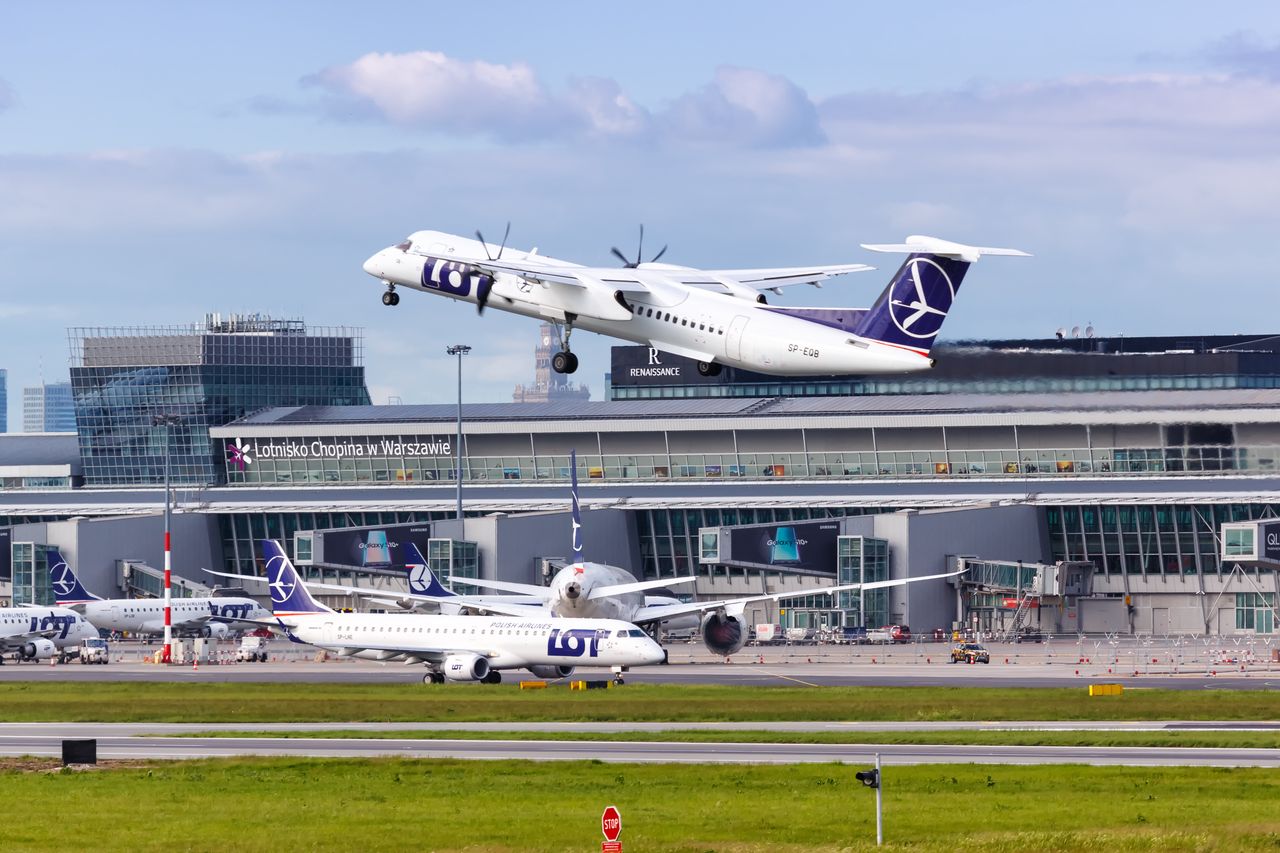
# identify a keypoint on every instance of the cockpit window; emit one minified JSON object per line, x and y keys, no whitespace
{"x":405,"y":246}
{"x":636,"y":632}
{"x":621,"y":634}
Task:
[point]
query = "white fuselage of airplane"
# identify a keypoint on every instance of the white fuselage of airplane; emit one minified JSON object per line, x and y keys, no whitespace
{"x":60,"y":626}
{"x":506,"y":642}
{"x":190,"y":615}
{"x":728,"y":328}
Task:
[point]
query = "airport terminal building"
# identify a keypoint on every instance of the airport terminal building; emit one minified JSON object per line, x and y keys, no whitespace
{"x":1081,"y":483}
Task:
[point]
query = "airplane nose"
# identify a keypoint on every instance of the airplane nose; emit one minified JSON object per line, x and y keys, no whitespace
{"x":373,"y":266}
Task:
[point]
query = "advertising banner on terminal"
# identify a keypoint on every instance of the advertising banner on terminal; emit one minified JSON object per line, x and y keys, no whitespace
{"x":369,"y":547}
{"x":1269,"y":541}
{"x":242,"y":453}
{"x":651,"y":366}
{"x":807,"y":546}
{"x":6,"y":553}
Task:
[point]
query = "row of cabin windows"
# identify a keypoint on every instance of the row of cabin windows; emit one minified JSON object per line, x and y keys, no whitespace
{"x":668,"y":317}
{"x":601,"y":633}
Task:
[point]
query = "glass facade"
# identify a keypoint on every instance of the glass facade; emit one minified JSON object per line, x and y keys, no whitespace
{"x":454,"y":558}
{"x":863,"y":559}
{"x":48,"y":408}
{"x":925,"y":463}
{"x":200,"y":376}
{"x":1146,"y":539}
{"x":1256,"y":612}
{"x":31,"y":574}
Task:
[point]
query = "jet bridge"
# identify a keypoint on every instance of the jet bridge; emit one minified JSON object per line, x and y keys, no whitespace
{"x":1017,"y":599}
{"x":139,"y":580}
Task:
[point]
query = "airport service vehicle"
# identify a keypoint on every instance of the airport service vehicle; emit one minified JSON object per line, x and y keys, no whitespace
{"x":252,"y":649}
{"x":455,"y":648}
{"x":767,"y":634}
{"x":716,"y":317}
{"x":204,"y":616}
{"x":970,"y":653}
{"x":40,"y":633}
{"x":94,"y":650}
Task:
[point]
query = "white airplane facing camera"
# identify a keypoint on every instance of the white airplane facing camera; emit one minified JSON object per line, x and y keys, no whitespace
{"x":716,"y":317}
{"x":202,"y":616}
{"x":454,"y":648}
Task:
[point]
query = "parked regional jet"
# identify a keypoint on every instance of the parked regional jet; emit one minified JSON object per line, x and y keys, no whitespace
{"x":205,"y":616}
{"x":39,"y":633}
{"x":716,"y":317}
{"x":454,"y":648}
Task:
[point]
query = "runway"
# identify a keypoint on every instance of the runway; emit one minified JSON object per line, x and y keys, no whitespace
{"x":822,"y":672}
{"x":147,"y":747}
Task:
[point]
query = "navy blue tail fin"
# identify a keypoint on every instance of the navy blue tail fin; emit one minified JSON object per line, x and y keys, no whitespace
{"x":66,"y":586}
{"x":911,"y":310}
{"x":423,"y":581}
{"x":289,"y":596}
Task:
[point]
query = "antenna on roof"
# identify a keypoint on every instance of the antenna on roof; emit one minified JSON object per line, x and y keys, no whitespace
{"x":1075,"y":331}
{"x":1061,"y":333}
{"x":1088,"y":331}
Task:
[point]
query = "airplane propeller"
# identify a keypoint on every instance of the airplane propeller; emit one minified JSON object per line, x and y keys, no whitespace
{"x":630,"y":264}
{"x":486,"y":283}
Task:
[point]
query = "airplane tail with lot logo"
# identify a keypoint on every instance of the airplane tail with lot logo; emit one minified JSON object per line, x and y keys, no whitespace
{"x":910,"y":312}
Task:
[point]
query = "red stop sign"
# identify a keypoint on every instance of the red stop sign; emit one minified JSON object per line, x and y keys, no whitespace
{"x":611,"y":823}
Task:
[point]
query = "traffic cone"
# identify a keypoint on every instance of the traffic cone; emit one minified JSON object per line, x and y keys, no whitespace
{"x":195,"y":663}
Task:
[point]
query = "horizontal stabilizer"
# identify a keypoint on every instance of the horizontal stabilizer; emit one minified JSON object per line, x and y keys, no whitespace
{"x":918,"y":244}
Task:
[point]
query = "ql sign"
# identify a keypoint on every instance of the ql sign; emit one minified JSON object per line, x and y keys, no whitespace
{"x":1270,"y":541}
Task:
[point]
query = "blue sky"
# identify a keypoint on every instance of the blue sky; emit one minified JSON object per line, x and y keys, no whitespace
{"x":158,"y":161}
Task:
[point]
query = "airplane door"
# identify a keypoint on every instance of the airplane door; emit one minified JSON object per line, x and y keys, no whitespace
{"x":733,"y":340}
{"x":329,"y":634}
{"x":116,"y":623}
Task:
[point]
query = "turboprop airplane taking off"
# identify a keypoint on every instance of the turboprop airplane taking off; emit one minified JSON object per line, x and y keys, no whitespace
{"x":716,"y":317}
{"x":454,"y":648}
{"x":204,"y":616}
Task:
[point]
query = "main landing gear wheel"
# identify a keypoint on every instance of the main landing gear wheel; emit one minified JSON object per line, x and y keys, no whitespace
{"x":433,"y":678}
{"x":708,"y":368}
{"x":494,"y":677}
{"x":390,"y":297}
{"x":564,"y":362}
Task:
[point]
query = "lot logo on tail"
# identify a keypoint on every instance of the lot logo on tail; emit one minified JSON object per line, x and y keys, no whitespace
{"x":64,"y":580}
{"x":282,"y":587}
{"x":918,"y":310}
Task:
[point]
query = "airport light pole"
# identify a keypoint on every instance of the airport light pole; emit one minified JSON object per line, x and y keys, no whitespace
{"x":459,"y":350}
{"x":168,"y":422}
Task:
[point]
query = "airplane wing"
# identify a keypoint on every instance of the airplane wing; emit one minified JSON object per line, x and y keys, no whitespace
{"x":766,"y":278}
{"x":639,"y":586}
{"x":542,"y":593}
{"x":14,"y":641}
{"x":686,"y":352}
{"x":662,"y":612}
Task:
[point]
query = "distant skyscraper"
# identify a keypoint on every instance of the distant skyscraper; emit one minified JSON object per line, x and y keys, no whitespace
{"x":548,"y":386}
{"x":48,"y":408}
{"x":204,"y":375}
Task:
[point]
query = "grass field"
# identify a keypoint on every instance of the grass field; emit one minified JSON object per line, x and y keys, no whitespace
{"x":394,"y":804}
{"x":1185,"y":739}
{"x":248,"y":703}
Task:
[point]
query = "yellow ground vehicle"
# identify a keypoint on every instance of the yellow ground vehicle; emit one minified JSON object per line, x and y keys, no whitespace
{"x":970,"y":653}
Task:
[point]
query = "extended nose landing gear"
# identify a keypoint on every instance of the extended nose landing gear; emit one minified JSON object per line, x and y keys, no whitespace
{"x":390,"y":297}
{"x":565,"y":361}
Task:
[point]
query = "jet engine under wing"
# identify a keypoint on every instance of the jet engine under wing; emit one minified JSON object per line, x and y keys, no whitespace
{"x":659,"y":613}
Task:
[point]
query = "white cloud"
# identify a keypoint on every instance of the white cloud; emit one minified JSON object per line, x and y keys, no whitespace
{"x":745,"y":106}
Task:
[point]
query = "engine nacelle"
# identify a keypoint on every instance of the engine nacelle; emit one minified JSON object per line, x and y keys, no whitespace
{"x":546,"y":671}
{"x":466,"y":668}
{"x":40,"y":649}
{"x":216,"y":630}
{"x":724,"y":634}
